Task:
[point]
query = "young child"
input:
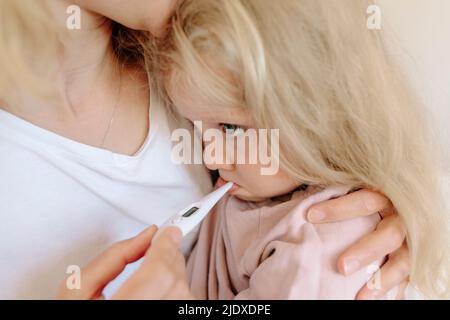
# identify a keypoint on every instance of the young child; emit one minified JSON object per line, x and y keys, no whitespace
{"x":346,"y":119}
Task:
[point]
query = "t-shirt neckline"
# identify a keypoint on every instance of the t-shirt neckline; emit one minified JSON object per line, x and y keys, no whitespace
{"x":49,"y":139}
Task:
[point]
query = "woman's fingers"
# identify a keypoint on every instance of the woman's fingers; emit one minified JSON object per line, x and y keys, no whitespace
{"x":103,"y":269}
{"x":401,"y":292}
{"x":166,"y":243}
{"x":394,"y":272}
{"x":180,"y":291}
{"x":162,"y":275}
{"x":387,"y":238}
{"x":359,"y":203}
{"x":179,"y":287}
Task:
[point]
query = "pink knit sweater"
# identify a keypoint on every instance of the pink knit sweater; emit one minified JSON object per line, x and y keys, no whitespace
{"x":268,"y":250}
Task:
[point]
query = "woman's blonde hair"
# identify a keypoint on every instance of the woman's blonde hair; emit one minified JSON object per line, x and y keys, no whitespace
{"x":346,"y":115}
{"x":25,"y":26}
{"x":30,"y":47}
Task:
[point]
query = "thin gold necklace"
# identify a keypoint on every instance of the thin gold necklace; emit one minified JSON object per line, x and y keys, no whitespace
{"x":111,"y":121}
{"x":113,"y":115}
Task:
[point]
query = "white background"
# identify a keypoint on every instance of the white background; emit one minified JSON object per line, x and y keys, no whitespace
{"x":420,"y":32}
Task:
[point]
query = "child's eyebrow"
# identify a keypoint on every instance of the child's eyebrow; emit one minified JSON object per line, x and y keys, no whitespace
{"x":235,"y":117}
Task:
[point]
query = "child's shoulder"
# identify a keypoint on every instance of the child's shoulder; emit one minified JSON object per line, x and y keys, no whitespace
{"x":255,"y":240}
{"x":292,"y":207}
{"x":259,"y":224}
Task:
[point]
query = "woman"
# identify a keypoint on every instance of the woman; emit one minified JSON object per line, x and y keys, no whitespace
{"x":86,"y":162}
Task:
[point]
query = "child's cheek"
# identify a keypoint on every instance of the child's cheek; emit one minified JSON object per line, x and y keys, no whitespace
{"x":265,"y":186}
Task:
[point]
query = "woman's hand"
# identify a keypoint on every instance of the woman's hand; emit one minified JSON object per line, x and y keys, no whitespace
{"x":162,"y":274}
{"x":152,"y":16}
{"x":387,"y":240}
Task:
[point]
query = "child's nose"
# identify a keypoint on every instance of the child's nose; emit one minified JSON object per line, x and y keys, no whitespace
{"x":222,"y":157}
{"x":219,"y":161}
{"x":221,"y":166}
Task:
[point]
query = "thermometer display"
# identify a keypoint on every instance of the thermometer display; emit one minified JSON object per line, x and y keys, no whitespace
{"x":191,"y":216}
{"x":190,"y":212}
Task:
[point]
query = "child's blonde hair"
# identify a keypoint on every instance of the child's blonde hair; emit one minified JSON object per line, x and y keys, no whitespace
{"x":346,"y":116}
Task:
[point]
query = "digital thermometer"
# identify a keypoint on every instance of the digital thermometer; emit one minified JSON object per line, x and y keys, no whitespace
{"x":191,"y":216}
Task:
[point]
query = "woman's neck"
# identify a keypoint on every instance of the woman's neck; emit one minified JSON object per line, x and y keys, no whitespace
{"x":89,"y":89}
{"x":86,"y":60}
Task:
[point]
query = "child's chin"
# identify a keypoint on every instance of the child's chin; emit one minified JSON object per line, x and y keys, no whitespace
{"x":246,"y":196}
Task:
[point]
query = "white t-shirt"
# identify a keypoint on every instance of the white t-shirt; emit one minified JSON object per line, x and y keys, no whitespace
{"x":63,"y":202}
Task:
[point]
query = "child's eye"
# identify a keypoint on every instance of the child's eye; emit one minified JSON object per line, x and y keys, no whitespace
{"x":232,"y":129}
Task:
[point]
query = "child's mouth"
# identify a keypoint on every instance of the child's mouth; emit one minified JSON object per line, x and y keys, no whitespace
{"x":221,"y":181}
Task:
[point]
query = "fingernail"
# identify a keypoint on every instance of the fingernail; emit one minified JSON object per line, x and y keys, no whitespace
{"x":351,"y":265}
{"x":151,"y":228}
{"x":315,"y":215}
{"x":145,"y":231}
